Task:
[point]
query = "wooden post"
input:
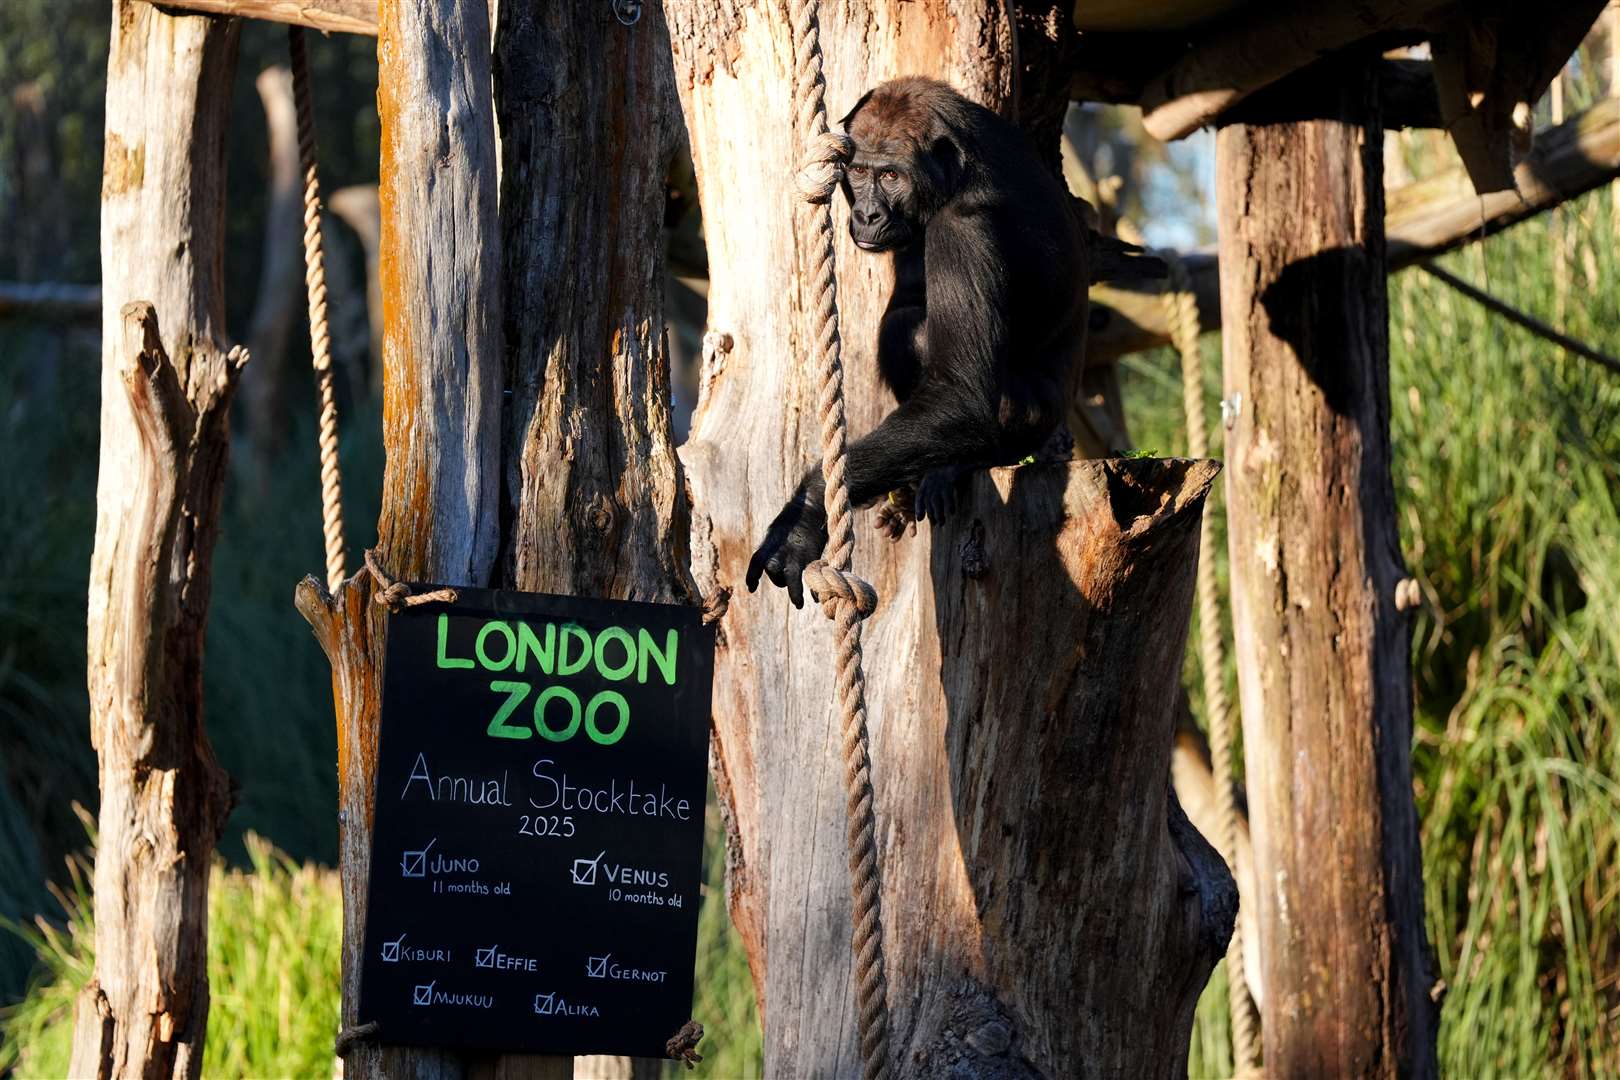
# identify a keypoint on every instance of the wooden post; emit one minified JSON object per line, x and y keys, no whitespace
{"x":279,"y":307}
{"x":1047,"y":911}
{"x":593,"y":502}
{"x":442,"y":358}
{"x":166,"y":389}
{"x":1322,"y":651}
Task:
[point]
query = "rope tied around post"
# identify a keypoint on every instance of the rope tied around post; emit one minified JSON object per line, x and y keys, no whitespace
{"x":715,"y":606}
{"x":352,"y":1034}
{"x":844,"y":597}
{"x":682,"y":1046}
{"x":396,"y":595}
{"x":1181,"y":307}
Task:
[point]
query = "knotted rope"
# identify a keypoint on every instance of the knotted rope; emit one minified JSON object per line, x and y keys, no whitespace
{"x":320,"y":338}
{"x":682,"y":1046}
{"x":844,"y":598}
{"x":1181,"y":306}
{"x":396,"y":595}
{"x":351,"y":1036}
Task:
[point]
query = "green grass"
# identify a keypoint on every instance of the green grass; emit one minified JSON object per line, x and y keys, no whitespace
{"x":274,"y":947}
{"x":274,"y":951}
{"x":724,"y":1002}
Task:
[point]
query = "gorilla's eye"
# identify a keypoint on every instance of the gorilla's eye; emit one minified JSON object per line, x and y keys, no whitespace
{"x":888,"y":176}
{"x":857,"y":170}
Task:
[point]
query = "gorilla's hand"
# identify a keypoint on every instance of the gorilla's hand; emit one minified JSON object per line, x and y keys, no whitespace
{"x":795,"y":540}
{"x":939,"y":493}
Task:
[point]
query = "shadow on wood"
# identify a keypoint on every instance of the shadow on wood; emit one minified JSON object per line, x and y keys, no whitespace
{"x":1052,"y":912}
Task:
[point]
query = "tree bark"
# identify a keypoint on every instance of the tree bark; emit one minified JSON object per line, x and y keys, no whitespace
{"x":589,"y":122}
{"x":985,"y":762}
{"x":442,"y":356}
{"x":1323,"y":653}
{"x":357,"y":207}
{"x":166,"y":384}
{"x":573,"y":483}
{"x":280,"y":303}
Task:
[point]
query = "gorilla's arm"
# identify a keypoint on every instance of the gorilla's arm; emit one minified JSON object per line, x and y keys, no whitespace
{"x":934,"y":428}
{"x":948,"y":421}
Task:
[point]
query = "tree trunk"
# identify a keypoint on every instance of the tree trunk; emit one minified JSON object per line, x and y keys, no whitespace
{"x":357,"y":207}
{"x":1323,"y":653}
{"x":166,"y":389}
{"x":997,"y":917}
{"x":442,"y":356}
{"x":280,"y":303}
{"x":590,"y":498}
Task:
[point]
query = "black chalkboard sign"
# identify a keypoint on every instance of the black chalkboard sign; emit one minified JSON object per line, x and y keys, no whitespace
{"x":537,"y":845}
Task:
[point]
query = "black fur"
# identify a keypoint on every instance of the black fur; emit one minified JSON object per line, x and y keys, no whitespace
{"x":983,"y":329}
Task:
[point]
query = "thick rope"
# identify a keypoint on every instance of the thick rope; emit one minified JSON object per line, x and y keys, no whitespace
{"x":844,"y":598}
{"x":396,"y":595}
{"x":682,"y":1046}
{"x":349,"y":1037}
{"x":1181,"y":306}
{"x":320,"y":338}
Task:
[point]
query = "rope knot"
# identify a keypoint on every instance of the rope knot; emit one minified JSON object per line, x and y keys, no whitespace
{"x":396,"y":595}
{"x":823,"y":166}
{"x":834,"y":588}
{"x":682,"y":1046}
{"x":715,"y":605}
{"x":351,"y":1035}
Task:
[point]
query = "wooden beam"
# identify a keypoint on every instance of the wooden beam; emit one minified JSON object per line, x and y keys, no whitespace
{"x":1238,"y":58}
{"x":1422,"y":219}
{"x":331,"y":16}
{"x":50,"y":301}
{"x":1442,"y":212}
{"x":1323,"y":653}
{"x":1406,"y":93}
{"x":1492,"y":61}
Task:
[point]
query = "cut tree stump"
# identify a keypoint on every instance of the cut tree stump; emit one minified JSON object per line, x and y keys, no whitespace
{"x":166,"y":389}
{"x":1047,"y":911}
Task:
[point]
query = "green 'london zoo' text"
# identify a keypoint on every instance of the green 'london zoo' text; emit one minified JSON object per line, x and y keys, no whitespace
{"x":562,"y":650}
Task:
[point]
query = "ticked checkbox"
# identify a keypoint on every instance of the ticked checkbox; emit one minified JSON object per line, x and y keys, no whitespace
{"x":545,"y":1004}
{"x":486,"y":957}
{"x":414,"y":863}
{"x":391,"y":950}
{"x":596,"y":966}
{"x":423,"y":994}
{"x":585,"y":870}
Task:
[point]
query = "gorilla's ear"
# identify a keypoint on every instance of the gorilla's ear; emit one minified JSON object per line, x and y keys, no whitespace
{"x":844,"y":123}
{"x":946,"y":156}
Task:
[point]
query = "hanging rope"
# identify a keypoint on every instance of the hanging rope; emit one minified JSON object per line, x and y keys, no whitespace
{"x":844,"y":597}
{"x":320,"y":338}
{"x":1181,"y":307}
